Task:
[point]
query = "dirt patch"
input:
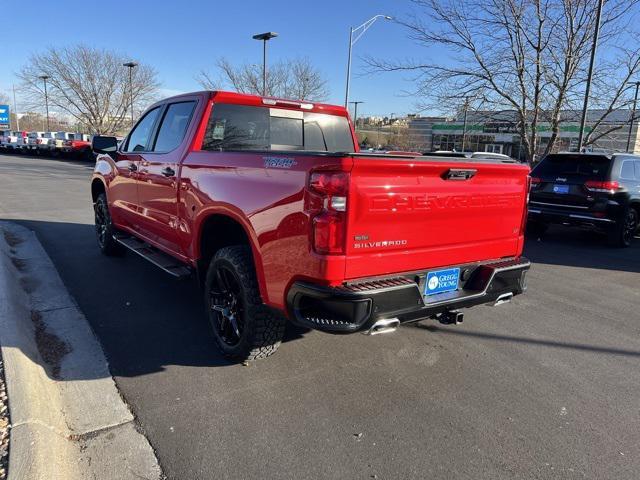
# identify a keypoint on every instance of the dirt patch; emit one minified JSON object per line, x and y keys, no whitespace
{"x":28,"y":284}
{"x":5,"y":425}
{"x":51,"y":348}
{"x":20,"y":264}
{"x":11,"y":238}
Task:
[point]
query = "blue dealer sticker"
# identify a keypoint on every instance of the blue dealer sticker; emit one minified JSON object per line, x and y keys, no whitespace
{"x":442,"y":281}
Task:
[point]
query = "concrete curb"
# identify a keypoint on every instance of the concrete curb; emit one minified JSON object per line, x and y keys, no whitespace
{"x":68,"y":420}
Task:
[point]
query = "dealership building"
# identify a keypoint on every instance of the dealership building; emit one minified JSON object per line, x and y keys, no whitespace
{"x":488,"y":131}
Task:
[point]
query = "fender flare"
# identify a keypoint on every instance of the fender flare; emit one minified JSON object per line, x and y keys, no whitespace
{"x":236,"y":215}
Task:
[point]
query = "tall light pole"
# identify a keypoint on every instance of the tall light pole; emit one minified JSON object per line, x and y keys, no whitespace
{"x":15,"y":109}
{"x":358,"y":31}
{"x":596,"y":33}
{"x":265,"y":37}
{"x":464,"y":125}
{"x":131,"y":66}
{"x":355,"y":113}
{"x":46,"y":97}
{"x":633,"y":114}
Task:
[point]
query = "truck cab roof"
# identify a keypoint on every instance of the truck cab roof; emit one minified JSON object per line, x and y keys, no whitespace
{"x":221,"y":96}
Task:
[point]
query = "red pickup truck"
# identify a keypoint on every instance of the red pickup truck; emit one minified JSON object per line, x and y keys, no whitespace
{"x":78,"y":146}
{"x":269,"y":204}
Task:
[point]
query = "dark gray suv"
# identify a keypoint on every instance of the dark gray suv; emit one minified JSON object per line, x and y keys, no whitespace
{"x":589,"y":190}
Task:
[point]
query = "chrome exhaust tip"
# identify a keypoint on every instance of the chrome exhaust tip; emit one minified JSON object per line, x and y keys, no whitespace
{"x":502,"y":299}
{"x":386,"y":325}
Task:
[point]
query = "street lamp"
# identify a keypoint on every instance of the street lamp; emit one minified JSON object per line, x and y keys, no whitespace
{"x":46,"y":97}
{"x":265,"y":37}
{"x":633,"y":113}
{"x":583,"y":120}
{"x":15,"y":109}
{"x":355,"y":113}
{"x":464,"y":125}
{"x":131,"y":66}
{"x":352,"y":41}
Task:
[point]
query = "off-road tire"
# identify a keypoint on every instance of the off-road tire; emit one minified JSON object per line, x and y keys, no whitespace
{"x":263,"y":328}
{"x":108,"y":246}
{"x":621,"y":235}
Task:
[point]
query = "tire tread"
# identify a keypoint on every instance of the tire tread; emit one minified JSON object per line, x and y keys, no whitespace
{"x":267,"y":326}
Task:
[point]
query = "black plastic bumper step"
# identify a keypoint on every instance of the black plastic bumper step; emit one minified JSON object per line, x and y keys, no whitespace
{"x":158,"y":258}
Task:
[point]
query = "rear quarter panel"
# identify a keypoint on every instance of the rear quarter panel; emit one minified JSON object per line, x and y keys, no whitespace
{"x":270,"y":204}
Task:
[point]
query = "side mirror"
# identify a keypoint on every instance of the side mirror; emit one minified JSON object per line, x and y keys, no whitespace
{"x":102,"y":144}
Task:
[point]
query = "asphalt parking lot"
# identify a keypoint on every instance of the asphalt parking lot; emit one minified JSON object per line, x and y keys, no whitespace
{"x":545,"y":387}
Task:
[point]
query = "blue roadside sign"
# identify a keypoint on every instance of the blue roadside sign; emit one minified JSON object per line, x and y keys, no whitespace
{"x":4,"y":116}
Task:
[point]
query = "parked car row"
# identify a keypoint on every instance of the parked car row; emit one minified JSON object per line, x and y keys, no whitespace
{"x":47,"y":143}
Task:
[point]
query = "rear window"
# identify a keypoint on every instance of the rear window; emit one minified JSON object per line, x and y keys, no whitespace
{"x":591,"y":166}
{"x":241,"y":127}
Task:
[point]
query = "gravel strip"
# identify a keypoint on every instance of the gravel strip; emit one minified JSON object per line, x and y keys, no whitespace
{"x":4,"y":425}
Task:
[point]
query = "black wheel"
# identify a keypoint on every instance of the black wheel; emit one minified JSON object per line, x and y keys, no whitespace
{"x":623,"y":232}
{"x":243,"y":327}
{"x":104,"y":228}
{"x":536,"y":229}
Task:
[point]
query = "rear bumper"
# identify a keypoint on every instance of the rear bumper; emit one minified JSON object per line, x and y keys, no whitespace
{"x":573,"y":217}
{"x":356,"y":306}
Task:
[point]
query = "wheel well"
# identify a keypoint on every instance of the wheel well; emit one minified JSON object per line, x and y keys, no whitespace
{"x":219,"y":231}
{"x":97,"y":187}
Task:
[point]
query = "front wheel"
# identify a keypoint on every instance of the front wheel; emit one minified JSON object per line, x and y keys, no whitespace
{"x":242,"y":326}
{"x":104,"y":228}
{"x":623,"y":232}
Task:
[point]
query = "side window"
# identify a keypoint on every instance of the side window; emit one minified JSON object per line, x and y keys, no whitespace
{"x":627,"y":172}
{"x":174,"y":126}
{"x":141,"y":133}
{"x":237,"y":127}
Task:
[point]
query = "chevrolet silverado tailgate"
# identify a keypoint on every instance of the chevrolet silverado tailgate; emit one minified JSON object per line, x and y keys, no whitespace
{"x":410,"y":214}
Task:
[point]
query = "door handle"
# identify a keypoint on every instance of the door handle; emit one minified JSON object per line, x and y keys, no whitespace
{"x":168,"y":172}
{"x":132,"y":167}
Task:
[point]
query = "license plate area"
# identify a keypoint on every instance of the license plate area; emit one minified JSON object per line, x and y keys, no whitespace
{"x":561,"y":189}
{"x":441,"y":281}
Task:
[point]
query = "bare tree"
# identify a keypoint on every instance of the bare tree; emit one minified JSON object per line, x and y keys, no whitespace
{"x":527,"y":56}
{"x":91,"y":85}
{"x":296,"y":78}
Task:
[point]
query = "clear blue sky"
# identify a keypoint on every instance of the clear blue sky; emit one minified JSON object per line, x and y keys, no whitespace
{"x":179,"y":38}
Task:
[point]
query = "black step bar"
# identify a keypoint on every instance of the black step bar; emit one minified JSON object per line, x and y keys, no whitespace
{"x":160,"y":259}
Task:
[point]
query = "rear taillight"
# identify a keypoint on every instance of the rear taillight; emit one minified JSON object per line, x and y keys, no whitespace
{"x":603,"y":187}
{"x":330,"y":220}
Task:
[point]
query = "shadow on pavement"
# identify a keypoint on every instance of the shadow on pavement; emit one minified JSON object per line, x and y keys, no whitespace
{"x":144,"y":319}
{"x":528,"y":341}
{"x":578,"y":248}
